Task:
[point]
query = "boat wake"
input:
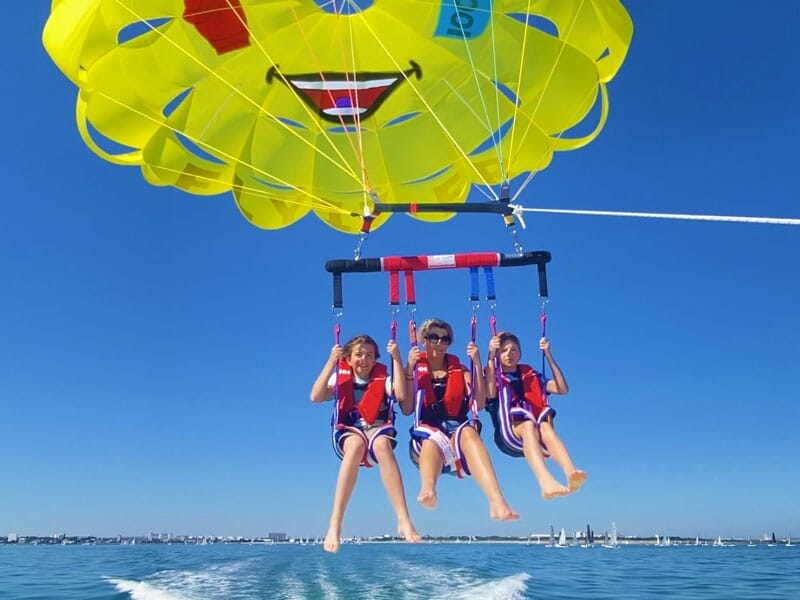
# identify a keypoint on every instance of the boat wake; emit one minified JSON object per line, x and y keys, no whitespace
{"x":141,"y":590}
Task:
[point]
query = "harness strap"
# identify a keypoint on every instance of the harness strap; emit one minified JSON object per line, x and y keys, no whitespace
{"x":342,"y":431}
{"x":447,"y":451}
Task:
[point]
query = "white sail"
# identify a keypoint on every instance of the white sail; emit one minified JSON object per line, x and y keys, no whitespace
{"x":562,"y":538}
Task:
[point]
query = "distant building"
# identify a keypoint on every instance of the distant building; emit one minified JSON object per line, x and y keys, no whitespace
{"x":13,"y":538}
{"x":278,"y":537}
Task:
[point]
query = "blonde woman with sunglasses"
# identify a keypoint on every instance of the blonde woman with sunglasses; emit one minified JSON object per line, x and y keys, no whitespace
{"x":444,"y":439}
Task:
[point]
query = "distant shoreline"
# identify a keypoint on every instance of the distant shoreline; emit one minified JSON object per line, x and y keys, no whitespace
{"x":533,"y":540}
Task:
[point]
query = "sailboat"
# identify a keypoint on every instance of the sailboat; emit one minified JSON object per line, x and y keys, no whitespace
{"x":551,"y":540}
{"x":697,"y":540}
{"x":562,"y":539}
{"x":789,"y":540}
{"x":611,"y":541}
{"x":589,"y":537}
{"x":773,"y":542}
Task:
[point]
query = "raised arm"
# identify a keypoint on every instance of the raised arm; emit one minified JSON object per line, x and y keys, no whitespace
{"x":558,"y":384}
{"x":413,"y":359}
{"x":321,"y":391}
{"x":479,"y":383}
{"x":399,"y":383}
{"x":489,"y":374}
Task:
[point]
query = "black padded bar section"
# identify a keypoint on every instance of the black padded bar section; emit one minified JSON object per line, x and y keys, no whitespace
{"x":500,"y":208}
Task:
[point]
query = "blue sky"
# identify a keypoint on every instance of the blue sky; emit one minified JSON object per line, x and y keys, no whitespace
{"x":157,"y":350}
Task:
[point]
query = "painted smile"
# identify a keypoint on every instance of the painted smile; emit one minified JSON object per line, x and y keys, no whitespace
{"x":344,"y":97}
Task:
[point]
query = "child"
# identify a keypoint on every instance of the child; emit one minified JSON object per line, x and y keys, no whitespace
{"x":443,"y":440}
{"x":363,"y":429}
{"x":522,"y":418}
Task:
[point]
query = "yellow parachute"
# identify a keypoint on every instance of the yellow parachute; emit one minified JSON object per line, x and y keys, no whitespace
{"x":332,"y":105}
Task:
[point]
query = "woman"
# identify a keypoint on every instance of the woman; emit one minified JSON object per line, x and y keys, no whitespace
{"x":444,"y":440}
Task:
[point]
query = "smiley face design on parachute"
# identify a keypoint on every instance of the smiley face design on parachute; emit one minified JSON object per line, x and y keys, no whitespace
{"x":343,"y":96}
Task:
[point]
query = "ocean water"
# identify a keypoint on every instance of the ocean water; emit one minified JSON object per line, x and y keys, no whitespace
{"x":397,"y":571}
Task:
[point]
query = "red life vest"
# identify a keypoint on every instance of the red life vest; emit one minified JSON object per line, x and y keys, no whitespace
{"x":371,"y":402}
{"x":456,"y":391}
{"x":531,"y":386}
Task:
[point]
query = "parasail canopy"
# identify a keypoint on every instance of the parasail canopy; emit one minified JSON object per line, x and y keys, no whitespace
{"x":333,"y":106}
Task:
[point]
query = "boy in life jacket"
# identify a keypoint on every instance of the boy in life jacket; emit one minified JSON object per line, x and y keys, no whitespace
{"x":364,"y":426}
{"x":443,"y":438}
{"x":522,"y":418}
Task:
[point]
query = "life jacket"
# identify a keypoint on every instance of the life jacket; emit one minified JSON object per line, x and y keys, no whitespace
{"x":531,"y":386}
{"x":373,"y":398}
{"x":456,"y":391}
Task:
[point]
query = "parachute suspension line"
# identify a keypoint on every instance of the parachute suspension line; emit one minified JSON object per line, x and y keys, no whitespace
{"x":232,"y":87}
{"x":200,"y":143}
{"x":427,"y":105}
{"x":357,"y":146}
{"x":486,"y":121}
{"x":357,"y":117}
{"x":519,"y":87}
{"x":520,"y":189}
{"x":500,"y":161}
{"x":558,"y":57}
{"x":678,"y":216}
{"x":589,"y":93}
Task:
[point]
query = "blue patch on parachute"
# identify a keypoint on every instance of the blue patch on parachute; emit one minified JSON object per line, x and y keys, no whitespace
{"x":463,"y":19}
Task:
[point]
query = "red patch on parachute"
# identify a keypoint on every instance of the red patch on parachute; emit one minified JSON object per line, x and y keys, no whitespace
{"x":221,"y":22}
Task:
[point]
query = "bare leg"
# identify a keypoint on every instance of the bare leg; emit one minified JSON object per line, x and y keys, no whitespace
{"x":575,"y":476}
{"x":533,"y":454}
{"x":353,"y":447}
{"x":480,"y":466}
{"x":393,"y":482}
{"x":430,"y":467}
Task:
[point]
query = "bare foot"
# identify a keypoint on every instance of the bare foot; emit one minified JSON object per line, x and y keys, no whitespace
{"x":407,"y":532}
{"x":576,"y":479}
{"x":332,"y":539}
{"x":427,"y":498}
{"x":499,"y":510}
{"x":553,"y":489}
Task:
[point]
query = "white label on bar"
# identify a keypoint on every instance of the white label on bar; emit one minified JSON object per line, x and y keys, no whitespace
{"x":442,"y":261}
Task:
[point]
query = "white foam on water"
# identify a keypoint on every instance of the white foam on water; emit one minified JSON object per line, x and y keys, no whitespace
{"x":140,"y":590}
{"x":512,"y":587}
{"x":213,"y":582}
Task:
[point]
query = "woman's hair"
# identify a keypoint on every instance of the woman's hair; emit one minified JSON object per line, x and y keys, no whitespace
{"x":426,"y":326}
{"x":359,"y":339}
{"x":507,"y":336}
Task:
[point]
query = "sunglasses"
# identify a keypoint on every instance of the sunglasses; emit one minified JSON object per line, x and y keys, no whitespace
{"x":434,"y":338}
